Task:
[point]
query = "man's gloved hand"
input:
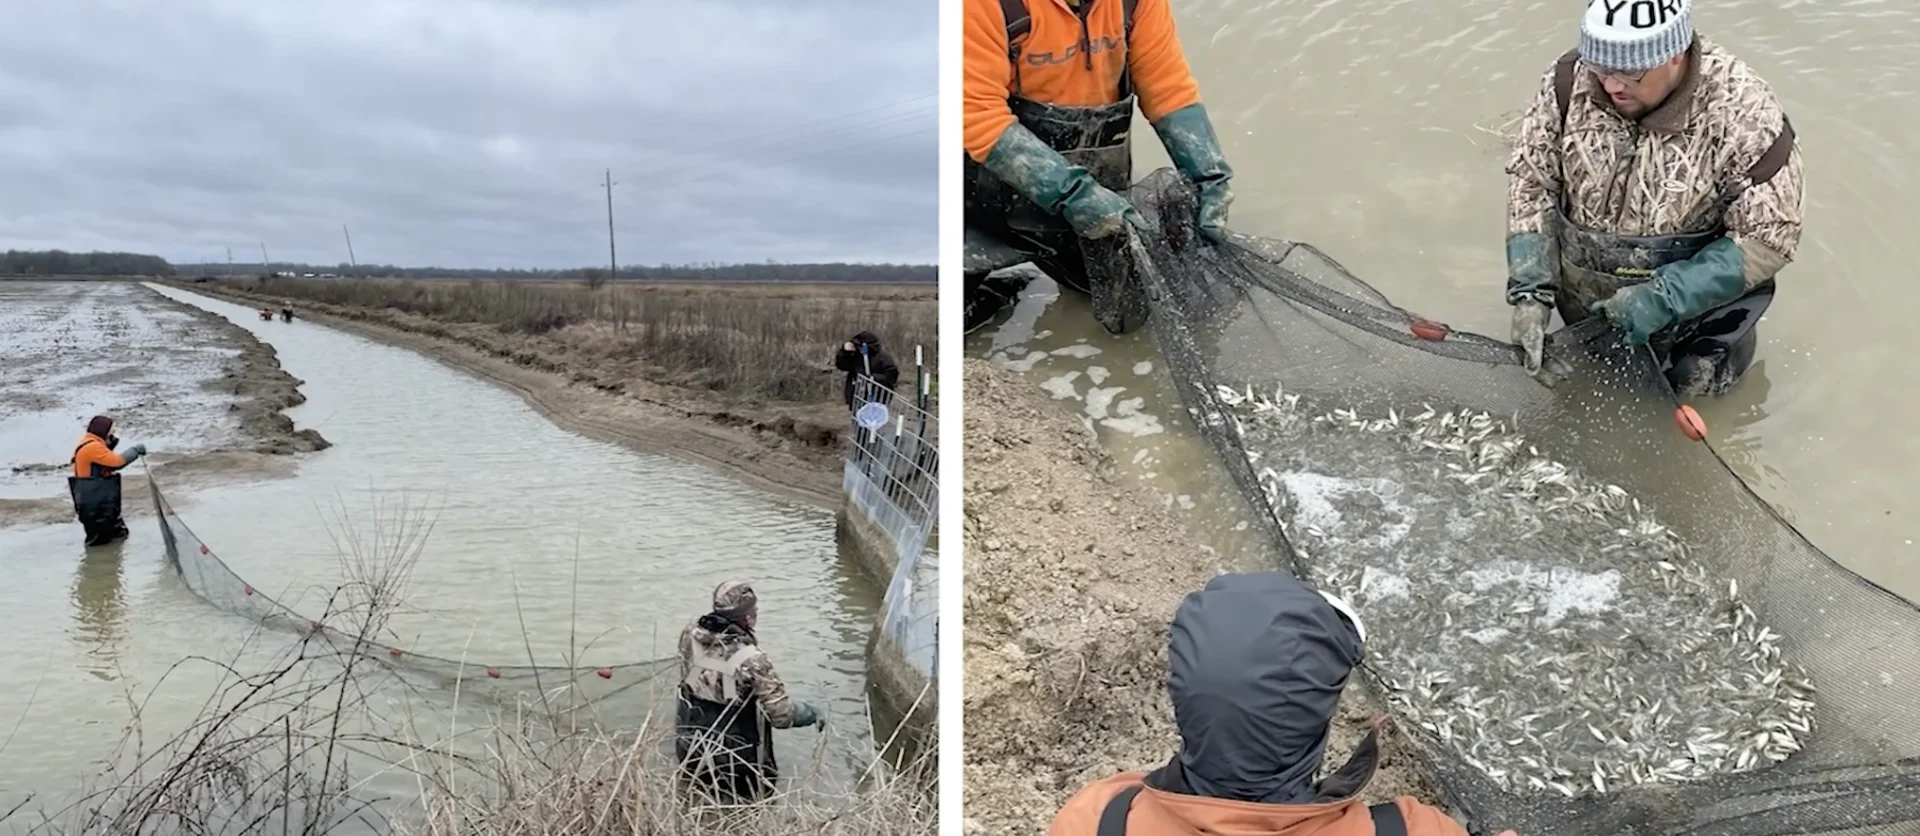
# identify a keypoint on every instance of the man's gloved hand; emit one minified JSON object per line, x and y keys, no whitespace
{"x":1043,"y":176}
{"x":1530,"y":330}
{"x":805,"y":714}
{"x":136,"y":451}
{"x":1678,"y":292}
{"x":1637,"y":311}
{"x":1191,"y":142}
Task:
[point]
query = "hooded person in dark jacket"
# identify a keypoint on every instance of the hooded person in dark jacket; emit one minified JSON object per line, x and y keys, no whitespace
{"x":1255,"y":666}
{"x":863,"y":355}
{"x":95,"y":482}
{"x":731,"y":700}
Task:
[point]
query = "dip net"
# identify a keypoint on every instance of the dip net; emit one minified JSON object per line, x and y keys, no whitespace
{"x":609,"y":692}
{"x":1585,"y":622}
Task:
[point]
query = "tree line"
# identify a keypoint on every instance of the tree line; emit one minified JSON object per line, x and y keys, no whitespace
{"x":62,"y":263}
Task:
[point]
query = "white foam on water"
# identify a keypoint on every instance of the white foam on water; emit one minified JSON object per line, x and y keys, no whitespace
{"x":1556,"y":590}
{"x":1461,"y":528}
{"x":1378,"y":585}
{"x":1313,"y":495}
{"x":1080,"y":350}
{"x":1140,"y":455}
{"x":1062,"y":387}
{"x":1041,"y":335}
{"x":1185,"y":500}
{"x":1024,"y":364}
{"x":1130,"y":407}
{"x":1097,"y":374}
{"x":1143,"y":367}
{"x":1098,"y":400}
{"x":1135,"y":425}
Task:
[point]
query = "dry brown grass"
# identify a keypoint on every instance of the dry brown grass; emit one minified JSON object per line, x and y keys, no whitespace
{"x":767,"y":341}
{"x":287,"y":749}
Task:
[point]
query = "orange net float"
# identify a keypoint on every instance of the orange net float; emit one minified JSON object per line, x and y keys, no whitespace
{"x":493,"y":673}
{"x":1691,"y":424}
{"x":604,"y":673}
{"x":1428,"y":330}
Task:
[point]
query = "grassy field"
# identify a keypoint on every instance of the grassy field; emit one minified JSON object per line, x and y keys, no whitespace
{"x":751,"y":341}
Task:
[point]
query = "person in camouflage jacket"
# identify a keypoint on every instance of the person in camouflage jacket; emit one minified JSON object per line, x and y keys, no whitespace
{"x":1655,"y":180}
{"x":730,"y":701}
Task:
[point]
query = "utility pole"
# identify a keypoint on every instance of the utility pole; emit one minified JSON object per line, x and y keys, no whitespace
{"x":263,"y":258}
{"x":613,"y":261}
{"x":229,"y":262}
{"x":351,"y":262}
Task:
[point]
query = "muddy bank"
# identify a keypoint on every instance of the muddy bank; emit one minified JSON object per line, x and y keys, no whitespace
{"x":251,"y":383}
{"x":261,"y":389}
{"x":789,"y":450}
{"x":1072,"y":578}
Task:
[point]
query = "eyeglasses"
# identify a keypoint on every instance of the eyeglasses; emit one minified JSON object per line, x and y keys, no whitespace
{"x":1624,"y":76}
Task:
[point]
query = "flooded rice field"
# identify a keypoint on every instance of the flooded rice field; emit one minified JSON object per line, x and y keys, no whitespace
{"x":590,"y":545}
{"x":1370,"y":132}
{"x":76,"y":349}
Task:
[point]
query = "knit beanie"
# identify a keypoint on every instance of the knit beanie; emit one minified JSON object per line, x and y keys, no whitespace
{"x":1634,"y":35}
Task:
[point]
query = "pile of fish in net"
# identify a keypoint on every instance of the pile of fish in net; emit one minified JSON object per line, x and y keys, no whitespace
{"x":1543,"y":626}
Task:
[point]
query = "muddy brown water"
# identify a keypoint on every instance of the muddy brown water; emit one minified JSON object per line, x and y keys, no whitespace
{"x":528,"y":522}
{"x":1364,"y":129}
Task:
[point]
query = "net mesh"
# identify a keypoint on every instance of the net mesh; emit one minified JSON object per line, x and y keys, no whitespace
{"x":609,"y":692}
{"x":1592,"y":628}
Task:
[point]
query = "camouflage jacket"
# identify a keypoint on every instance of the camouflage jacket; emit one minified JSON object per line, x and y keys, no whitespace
{"x":727,"y":665}
{"x":1683,"y":168}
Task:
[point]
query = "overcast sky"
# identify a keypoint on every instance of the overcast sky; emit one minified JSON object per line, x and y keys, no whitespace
{"x":471,"y":132}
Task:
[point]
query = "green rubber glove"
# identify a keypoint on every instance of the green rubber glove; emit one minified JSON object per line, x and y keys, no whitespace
{"x":1188,"y":136}
{"x":1530,"y":268}
{"x":804,"y":714}
{"x":1678,"y":292}
{"x":1061,"y":188}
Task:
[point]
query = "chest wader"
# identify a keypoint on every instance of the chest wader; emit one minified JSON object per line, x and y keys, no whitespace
{"x":1705,"y":355}
{"x":725,"y":749}
{"x":1004,"y":228}
{"x":96,"y":502}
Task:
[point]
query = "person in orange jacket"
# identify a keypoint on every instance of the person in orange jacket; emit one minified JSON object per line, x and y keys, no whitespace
{"x":1255,"y":666}
{"x":95,"y":483}
{"x":1048,"y":101}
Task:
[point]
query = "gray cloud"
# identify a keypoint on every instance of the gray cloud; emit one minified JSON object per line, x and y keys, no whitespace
{"x":471,"y":132}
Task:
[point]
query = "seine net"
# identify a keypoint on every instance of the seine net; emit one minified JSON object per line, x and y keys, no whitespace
{"x":1592,"y":628}
{"x":609,"y":692}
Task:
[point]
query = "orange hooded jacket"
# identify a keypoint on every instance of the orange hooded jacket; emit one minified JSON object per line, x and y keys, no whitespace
{"x":92,"y":457}
{"x":1161,"y":813}
{"x":1055,"y":69}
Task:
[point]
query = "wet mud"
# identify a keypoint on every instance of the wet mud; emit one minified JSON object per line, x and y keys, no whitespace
{"x":204,"y":395}
{"x":1072,"y":577}
{"x":790,"y":451}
